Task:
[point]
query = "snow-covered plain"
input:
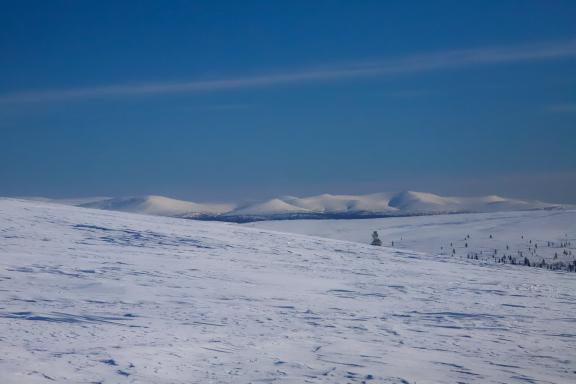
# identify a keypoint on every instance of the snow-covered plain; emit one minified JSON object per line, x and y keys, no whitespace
{"x":92,"y":296}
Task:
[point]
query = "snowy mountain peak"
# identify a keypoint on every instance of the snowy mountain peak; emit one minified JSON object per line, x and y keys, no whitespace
{"x":420,"y":201}
{"x":494,"y":199}
{"x":270,"y":207}
{"x":159,"y":206}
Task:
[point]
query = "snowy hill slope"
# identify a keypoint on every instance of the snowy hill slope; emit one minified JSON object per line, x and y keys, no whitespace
{"x":109,"y":297}
{"x":327,"y":203}
{"x":158,"y":205}
{"x":269,"y":208}
{"x":325,"y":206}
{"x":420,"y":202}
{"x":423,"y":202}
{"x":79,"y":201}
{"x":538,"y":235}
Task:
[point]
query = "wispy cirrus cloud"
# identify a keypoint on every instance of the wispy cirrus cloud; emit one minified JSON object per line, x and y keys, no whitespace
{"x":444,"y":60}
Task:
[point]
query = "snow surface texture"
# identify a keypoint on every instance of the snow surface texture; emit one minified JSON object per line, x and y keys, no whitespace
{"x":91,"y":296}
{"x":548,"y":235}
{"x":323,"y":206}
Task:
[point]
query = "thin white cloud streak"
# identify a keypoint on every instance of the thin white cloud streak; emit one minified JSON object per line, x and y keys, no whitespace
{"x":413,"y":64}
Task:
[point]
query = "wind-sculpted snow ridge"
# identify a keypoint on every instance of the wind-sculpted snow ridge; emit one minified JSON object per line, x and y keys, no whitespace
{"x":92,"y":296}
{"x":324,"y":206}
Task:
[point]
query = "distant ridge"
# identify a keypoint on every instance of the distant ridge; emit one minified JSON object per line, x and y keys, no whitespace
{"x":325,"y":206}
{"x":159,"y":206}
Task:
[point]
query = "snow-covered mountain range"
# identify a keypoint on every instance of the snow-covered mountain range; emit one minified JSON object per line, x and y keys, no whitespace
{"x":326,"y":206}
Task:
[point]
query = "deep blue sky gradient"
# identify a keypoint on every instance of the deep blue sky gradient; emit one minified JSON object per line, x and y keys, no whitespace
{"x":507,"y":127}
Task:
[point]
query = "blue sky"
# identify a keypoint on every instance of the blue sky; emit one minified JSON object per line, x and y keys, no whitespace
{"x":219,"y":100}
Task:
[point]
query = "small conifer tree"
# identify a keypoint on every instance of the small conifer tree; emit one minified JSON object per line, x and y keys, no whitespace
{"x":375,"y":240}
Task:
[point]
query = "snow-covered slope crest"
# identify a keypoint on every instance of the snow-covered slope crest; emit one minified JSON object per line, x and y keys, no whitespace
{"x":110,"y":297}
{"x":324,"y":206}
